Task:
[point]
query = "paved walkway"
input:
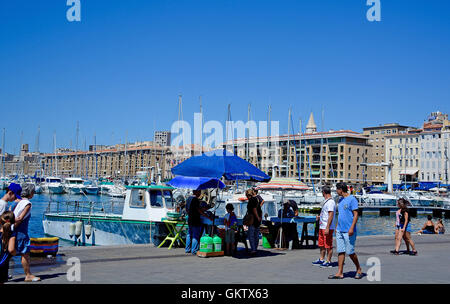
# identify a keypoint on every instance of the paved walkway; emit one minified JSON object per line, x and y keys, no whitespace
{"x":147,"y":264}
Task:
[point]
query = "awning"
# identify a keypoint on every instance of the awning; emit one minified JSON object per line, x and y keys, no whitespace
{"x":409,"y":172}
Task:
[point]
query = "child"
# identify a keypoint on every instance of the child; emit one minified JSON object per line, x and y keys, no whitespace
{"x":8,"y":243}
{"x":230,"y":229}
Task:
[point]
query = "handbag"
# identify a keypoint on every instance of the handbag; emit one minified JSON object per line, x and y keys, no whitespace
{"x":248,"y":219}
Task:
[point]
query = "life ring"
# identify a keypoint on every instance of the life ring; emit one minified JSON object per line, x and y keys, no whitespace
{"x":242,"y":199}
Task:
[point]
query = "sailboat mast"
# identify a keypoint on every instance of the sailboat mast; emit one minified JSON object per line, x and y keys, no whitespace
{"x":248,"y":132}
{"x":321,"y":150}
{"x":56,"y":160}
{"x":201,"y":115}
{"x":76,"y":148}
{"x":36,"y":148}
{"x":300,"y":157}
{"x":126,"y":156}
{"x":228,"y":126}
{"x":288,"y":166}
{"x":3,"y":153}
{"x":95,"y":153}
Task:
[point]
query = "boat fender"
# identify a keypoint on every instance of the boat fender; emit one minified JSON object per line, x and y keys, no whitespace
{"x":78,"y":226}
{"x":88,"y":230}
{"x":72,"y":229}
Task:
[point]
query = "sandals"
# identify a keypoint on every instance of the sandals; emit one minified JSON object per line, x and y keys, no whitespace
{"x":413,"y":252}
{"x":359,"y":276}
{"x":394,"y":252}
{"x":335,"y":277}
{"x":35,"y":279}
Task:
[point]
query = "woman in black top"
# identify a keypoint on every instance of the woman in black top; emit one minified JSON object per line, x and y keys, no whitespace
{"x":428,"y":228}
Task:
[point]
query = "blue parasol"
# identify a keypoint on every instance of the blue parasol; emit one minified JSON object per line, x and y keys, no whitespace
{"x":218,"y":163}
{"x":196,"y":183}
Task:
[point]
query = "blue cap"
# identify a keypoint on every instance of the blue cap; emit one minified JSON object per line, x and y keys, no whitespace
{"x":16,"y":189}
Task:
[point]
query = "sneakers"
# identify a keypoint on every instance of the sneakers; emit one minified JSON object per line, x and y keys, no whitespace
{"x":326,"y":264}
{"x":318,"y":262}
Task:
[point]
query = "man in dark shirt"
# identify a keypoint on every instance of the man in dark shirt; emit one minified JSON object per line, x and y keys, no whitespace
{"x":194,"y":223}
{"x":258,"y":197}
{"x":254,"y":209}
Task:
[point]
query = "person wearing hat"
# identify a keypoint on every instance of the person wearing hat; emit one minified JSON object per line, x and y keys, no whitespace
{"x":22,"y":214}
{"x":12,"y":193}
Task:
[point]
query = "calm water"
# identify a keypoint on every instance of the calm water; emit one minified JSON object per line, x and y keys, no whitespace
{"x":368,"y":224}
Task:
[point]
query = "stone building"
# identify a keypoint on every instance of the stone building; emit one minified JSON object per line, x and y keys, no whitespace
{"x":322,"y":156}
{"x":377,"y":139}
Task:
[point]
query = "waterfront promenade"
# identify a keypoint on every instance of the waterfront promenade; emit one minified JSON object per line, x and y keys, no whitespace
{"x":138,"y":264}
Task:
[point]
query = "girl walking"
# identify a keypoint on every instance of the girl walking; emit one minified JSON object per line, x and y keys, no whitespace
{"x":403,"y":229}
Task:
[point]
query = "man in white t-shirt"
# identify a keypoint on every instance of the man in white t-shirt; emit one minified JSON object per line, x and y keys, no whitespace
{"x":12,"y":193}
{"x":326,"y":228}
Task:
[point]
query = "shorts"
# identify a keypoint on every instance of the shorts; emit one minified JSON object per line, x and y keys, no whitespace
{"x":345,"y":243}
{"x":22,"y":244}
{"x":326,"y":240}
{"x":229,"y":236}
{"x":427,"y":232}
{"x":408,"y":227}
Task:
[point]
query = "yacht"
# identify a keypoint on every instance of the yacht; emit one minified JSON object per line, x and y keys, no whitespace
{"x":74,"y":185}
{"x":377,"y":198}
{"x":91,"y":187}
{"x":419,"y":198}
{"x":53,"y":185}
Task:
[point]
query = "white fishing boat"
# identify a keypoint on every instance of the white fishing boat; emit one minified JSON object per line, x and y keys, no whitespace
{"x":377,"y":198}
{"x":136,"y":220}
{"x":74,"y":185}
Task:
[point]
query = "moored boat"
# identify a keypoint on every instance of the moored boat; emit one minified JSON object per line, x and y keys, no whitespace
{"x":138,"y":222}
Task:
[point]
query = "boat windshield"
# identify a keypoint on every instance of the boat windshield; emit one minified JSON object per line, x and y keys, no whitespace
{"x":156,"y":198}
{"x":169,"y":199}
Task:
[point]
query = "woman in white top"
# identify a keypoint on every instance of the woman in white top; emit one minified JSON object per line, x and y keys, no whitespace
{"x":22,"y":213}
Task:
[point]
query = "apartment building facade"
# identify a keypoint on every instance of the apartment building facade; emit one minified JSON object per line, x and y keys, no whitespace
{"x":318,"y":157}
{"x":403,"y":151}
{"x":377,"y":154}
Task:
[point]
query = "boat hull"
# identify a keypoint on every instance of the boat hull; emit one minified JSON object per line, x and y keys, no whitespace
{"x":56,"y":189}
{"x":93,"y":191}
{"x":74,"y":190}
{"x":109,"y":230}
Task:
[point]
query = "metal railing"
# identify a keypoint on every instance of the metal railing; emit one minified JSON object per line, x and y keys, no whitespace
{"x":78,"y":208}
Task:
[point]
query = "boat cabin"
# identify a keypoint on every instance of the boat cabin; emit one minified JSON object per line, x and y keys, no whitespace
{"x":74,"y":181}
{"x":51,"y":179}
{"x":148,"y":203}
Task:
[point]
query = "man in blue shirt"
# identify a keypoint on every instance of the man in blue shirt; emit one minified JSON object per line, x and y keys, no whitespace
{"x":346,"y":231}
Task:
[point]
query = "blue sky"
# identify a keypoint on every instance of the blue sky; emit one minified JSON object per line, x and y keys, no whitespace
{"x":123,"y":66}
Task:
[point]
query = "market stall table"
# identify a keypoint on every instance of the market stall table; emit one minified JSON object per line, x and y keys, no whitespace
{"x":175,"y":228}
{"x":301,"y":219}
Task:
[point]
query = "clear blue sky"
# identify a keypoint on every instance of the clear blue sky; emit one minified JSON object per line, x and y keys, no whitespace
{"x":122,"y":67}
